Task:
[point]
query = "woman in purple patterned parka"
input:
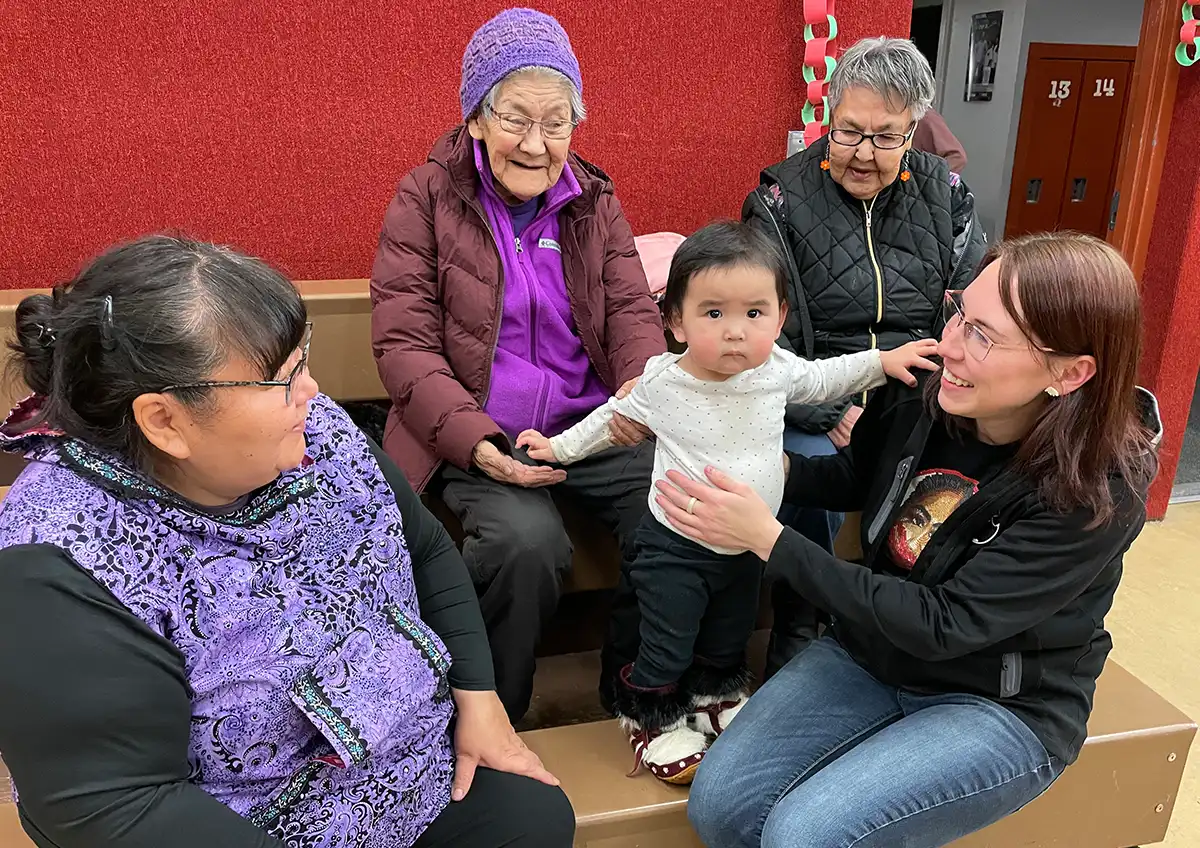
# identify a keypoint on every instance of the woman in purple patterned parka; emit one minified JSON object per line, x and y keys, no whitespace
{"x":225,"y":617}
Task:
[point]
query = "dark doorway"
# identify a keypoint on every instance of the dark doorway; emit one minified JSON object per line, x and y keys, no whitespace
{"x":1187,"y":474}
{"x":927,"y":30}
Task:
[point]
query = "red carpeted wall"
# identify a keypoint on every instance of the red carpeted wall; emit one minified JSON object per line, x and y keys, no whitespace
{"x":282,"y":128}
{"x":1171,"y":284}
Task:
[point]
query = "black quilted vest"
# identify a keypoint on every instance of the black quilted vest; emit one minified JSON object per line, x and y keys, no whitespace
{"x":856,"y":302}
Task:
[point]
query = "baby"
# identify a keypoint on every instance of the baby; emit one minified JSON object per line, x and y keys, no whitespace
{"x":720,"y":404}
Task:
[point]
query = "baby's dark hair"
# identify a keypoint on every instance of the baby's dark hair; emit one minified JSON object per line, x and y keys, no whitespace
{"x":721,"y":244}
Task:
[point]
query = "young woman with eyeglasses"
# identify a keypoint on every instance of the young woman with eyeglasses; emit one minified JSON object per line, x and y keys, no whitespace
{"x":997,"y":501}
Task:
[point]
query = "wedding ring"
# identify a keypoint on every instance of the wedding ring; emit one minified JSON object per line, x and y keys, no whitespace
{"x":691,"y":507}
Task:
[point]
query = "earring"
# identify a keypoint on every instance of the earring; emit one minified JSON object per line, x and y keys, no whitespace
{"x":1053,"y":392}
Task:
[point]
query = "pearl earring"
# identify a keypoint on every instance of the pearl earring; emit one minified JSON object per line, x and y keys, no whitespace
{"x":1053,"y":392}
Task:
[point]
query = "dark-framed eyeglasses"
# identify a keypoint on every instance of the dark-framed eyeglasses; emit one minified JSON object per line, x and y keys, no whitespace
{"x":975,"y":340}
{"x":882,"y":141}
{"x":301,"y":367}
{"x":555,"y":129}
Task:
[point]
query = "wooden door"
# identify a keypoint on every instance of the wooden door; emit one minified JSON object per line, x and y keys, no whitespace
{"x":1069,"y":138}
{"x":1048,"y":108}
{"x":1086,"y":203}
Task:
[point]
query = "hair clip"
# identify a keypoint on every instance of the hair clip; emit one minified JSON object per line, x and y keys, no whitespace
{"x":107,"y":338}
{"x":45,"y":335}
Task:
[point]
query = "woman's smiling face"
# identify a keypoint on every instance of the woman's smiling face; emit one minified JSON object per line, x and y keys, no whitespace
{"x":525,"y":166}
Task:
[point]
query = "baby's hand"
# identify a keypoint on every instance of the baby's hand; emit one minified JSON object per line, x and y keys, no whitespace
{"x":897,"y":362}
{"x":537,"y":446}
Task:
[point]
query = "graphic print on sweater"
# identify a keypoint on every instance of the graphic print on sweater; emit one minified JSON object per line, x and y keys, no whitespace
{"x":931,"y":498}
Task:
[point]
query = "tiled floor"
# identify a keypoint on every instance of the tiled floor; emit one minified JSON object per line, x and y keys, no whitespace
{"x":1155,"y":624}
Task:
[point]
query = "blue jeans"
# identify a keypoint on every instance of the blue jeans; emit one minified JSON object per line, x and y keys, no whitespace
{"x":826,"y":755}
{"x":818,"y":525}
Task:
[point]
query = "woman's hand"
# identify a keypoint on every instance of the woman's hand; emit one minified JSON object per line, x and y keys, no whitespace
{"x":504,"y":469}
{"x":912,"y":355}
{"x":726,"y":513}
{"x":840,"y":435}
{"x":483,"y":736}
{"x":537,"y":446}
{"x":624,"y":432}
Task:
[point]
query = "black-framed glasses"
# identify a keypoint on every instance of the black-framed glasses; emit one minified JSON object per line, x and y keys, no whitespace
{"x":300,"y":368}
{"x":882,"y":141}
{"x":555,"y":129}
{"x":975,"y":340}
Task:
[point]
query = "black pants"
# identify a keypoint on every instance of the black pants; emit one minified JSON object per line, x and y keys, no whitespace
{"x":517,"y":550}
{"x":694,"y":604}
{"x":503,"y":811}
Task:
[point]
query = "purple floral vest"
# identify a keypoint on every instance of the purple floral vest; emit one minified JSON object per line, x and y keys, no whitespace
{"x":320,"y":699}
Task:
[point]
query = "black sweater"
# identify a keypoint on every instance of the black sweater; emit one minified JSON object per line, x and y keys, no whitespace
{"x":95,"y":712}
{"x":1006,"y":601}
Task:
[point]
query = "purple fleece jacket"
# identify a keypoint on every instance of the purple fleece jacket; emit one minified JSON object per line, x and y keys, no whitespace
{"x":541,"y":375}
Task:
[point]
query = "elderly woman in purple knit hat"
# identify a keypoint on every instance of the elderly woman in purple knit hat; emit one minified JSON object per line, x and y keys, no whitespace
{"x":507,"y":295}
{"x":226,"y":620}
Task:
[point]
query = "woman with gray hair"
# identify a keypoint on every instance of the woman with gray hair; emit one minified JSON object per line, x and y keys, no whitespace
{"x":876,"y":232}
{"x":507,"y":295}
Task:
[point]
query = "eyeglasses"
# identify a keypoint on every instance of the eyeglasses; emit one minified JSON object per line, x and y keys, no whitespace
{"x":301,"y":367}
{"x":555,"y":129}
{"x":975,"y":340}
{"x":882,"y":141}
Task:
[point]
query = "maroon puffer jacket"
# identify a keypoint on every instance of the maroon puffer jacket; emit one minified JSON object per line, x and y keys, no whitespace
{"x":436,"y":302}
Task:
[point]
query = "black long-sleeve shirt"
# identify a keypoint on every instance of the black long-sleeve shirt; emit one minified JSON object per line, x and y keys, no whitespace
{"x":95,"y":711}
{"x":1006,"y":600}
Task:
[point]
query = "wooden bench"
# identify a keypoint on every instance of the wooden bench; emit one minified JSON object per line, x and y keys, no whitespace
{"x":1120,"y":793}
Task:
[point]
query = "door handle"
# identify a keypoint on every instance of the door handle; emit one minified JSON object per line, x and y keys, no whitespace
{"x":1112,"y":211}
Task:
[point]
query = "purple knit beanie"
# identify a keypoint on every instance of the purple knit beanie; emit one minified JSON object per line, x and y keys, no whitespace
{"x":514,"y":39}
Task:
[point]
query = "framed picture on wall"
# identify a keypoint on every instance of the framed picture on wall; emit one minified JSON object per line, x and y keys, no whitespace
{"x":984,"y":53}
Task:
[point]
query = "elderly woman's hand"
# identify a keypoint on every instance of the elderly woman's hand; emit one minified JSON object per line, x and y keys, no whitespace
{"x":491,"y":461}
{"x":840,"y":435}
{"x":727,"y":513}
{"x":623,"y":431}
{"x":483,"y":736}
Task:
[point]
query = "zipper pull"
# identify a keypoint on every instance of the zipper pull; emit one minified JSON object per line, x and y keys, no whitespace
{"x":868,"y":209}
{"x":517,"y":239}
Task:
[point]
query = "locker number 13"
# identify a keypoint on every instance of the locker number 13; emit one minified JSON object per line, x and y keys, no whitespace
{"x":1060,"y":89}
{"x":1105,"y":88}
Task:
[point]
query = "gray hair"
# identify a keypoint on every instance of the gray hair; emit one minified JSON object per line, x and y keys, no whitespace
{"x":891,"y":67}
{"x":578,"y":110}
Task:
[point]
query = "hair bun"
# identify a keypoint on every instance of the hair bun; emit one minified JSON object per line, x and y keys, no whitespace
{"x":34,"y":344}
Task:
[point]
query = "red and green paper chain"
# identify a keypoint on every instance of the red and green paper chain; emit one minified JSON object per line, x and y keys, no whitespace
{"x":1187,"y":35}
{"x":818,"y":56}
